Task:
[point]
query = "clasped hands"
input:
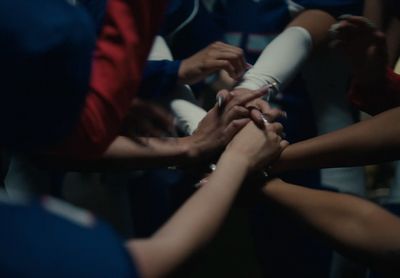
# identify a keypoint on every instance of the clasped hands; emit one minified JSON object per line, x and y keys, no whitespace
{"x":245,"y":125}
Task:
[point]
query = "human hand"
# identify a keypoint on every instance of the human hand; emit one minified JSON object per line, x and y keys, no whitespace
{"x":260,"y":110}
{"x":217,"y":56}
{"x":147,"y":119}
{"x":220,"y":124}
{"x":363,"y":44}
{"x":258,"y":146}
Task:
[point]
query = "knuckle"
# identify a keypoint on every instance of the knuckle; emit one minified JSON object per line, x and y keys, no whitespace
{"x":237,"y":109}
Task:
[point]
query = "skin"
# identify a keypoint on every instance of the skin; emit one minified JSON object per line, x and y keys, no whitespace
{"x":316,"y":22}
{"x":194,"y":224}
{"x":365,"y":48}
{"x":377,"y":11}
{"x":358,"y":228}
{"x":371,"y":141}
{"x":319,"y":35}
{"x":217,"y":56}
{"x":214,"y":132}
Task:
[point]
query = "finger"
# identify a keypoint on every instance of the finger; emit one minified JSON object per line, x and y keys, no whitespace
{"x":236,"y":112}
{"x":283,"y":144}
{"x":343,"y":30}
{"x":236,"y":51}
{"x":223,"y":97}
{"x":355,"y":29}
{"x":260,"y":104}
{"x":276,"y":128}
{"x":235,"y":126}
{"x":275,"y":114}
{"x":360,"y":21}
{"x":243,"y":98}
{"x":235,"y":59}
{"x":213,"y":65}
{"x":257,"y":117}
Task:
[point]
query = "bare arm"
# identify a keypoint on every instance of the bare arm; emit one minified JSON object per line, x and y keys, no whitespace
{"x":194,"y":224}
{"x":380,"y":13}
{"x":213,"y":133}
{"x":373,"y":140}
{"x":359,"y":228}
{"x":199,"y":218}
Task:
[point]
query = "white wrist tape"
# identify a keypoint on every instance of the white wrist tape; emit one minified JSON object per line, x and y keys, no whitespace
{"x":187,"y":114}
{"x":280,"y":61}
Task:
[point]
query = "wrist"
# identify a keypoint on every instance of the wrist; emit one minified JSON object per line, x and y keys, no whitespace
{"x":183,"y":77}
{"x":271,"y":187}
{"x":190,"y":149}
{"x":237,"y":158}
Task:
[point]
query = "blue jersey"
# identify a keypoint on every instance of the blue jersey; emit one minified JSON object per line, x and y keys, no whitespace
{"x":252,"y":25}
{"x":53,"y":239}
{"x":191,"y":25}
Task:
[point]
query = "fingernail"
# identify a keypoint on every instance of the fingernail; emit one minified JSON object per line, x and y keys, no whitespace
{"x":284,"y":114}
{"x":248,"y":66}
{"x":369,"y":23}
{"x":264,"y":119}
{"x":333,"y":30}
{"x":344,"y":16}
{"x":219,"y":101}
{"x":334,"y":27}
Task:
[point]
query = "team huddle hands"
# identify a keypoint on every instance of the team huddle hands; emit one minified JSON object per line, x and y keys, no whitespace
{"x":246,"y":124}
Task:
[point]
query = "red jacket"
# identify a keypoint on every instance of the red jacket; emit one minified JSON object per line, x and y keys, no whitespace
{"x":121,"y":51}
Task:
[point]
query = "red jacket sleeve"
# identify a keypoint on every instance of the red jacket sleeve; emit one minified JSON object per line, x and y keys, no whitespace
{"x":377,"y":101}
{"x":121,"y":51}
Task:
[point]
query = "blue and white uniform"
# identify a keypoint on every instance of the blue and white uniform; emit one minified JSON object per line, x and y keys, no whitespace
{"x":49,"y":238}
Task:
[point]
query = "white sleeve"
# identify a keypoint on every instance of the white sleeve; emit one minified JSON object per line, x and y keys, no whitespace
{"x":160,"y":50}
{"x":280,"y":61}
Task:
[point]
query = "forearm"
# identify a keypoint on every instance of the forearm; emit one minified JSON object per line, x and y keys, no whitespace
{"x":118,"y":60}
{"x":375,"y":11}
{"x":285,"y":55}
{"x":195,"y":223}
{"x":127,"y":154}
{"x":370,"y":141}
{"x":357,"y":227}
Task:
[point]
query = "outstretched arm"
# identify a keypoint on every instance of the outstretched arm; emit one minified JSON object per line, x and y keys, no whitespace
{"x":213,"y":133}
{"x":370,"y":141}
{"x":357,"y":227}
{"x":199,"y":218}
{"x":285,"y":55}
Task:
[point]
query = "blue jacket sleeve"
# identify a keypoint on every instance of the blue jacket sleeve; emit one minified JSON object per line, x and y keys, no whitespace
{"x":159,"y":78}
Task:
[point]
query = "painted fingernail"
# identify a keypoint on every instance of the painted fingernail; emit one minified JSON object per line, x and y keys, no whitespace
{"x":369,"y":23}
{"x":345,"y":16}
{"x":220,"y":101}
{"x":264,"y":119}
{"x":335,"y":26}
